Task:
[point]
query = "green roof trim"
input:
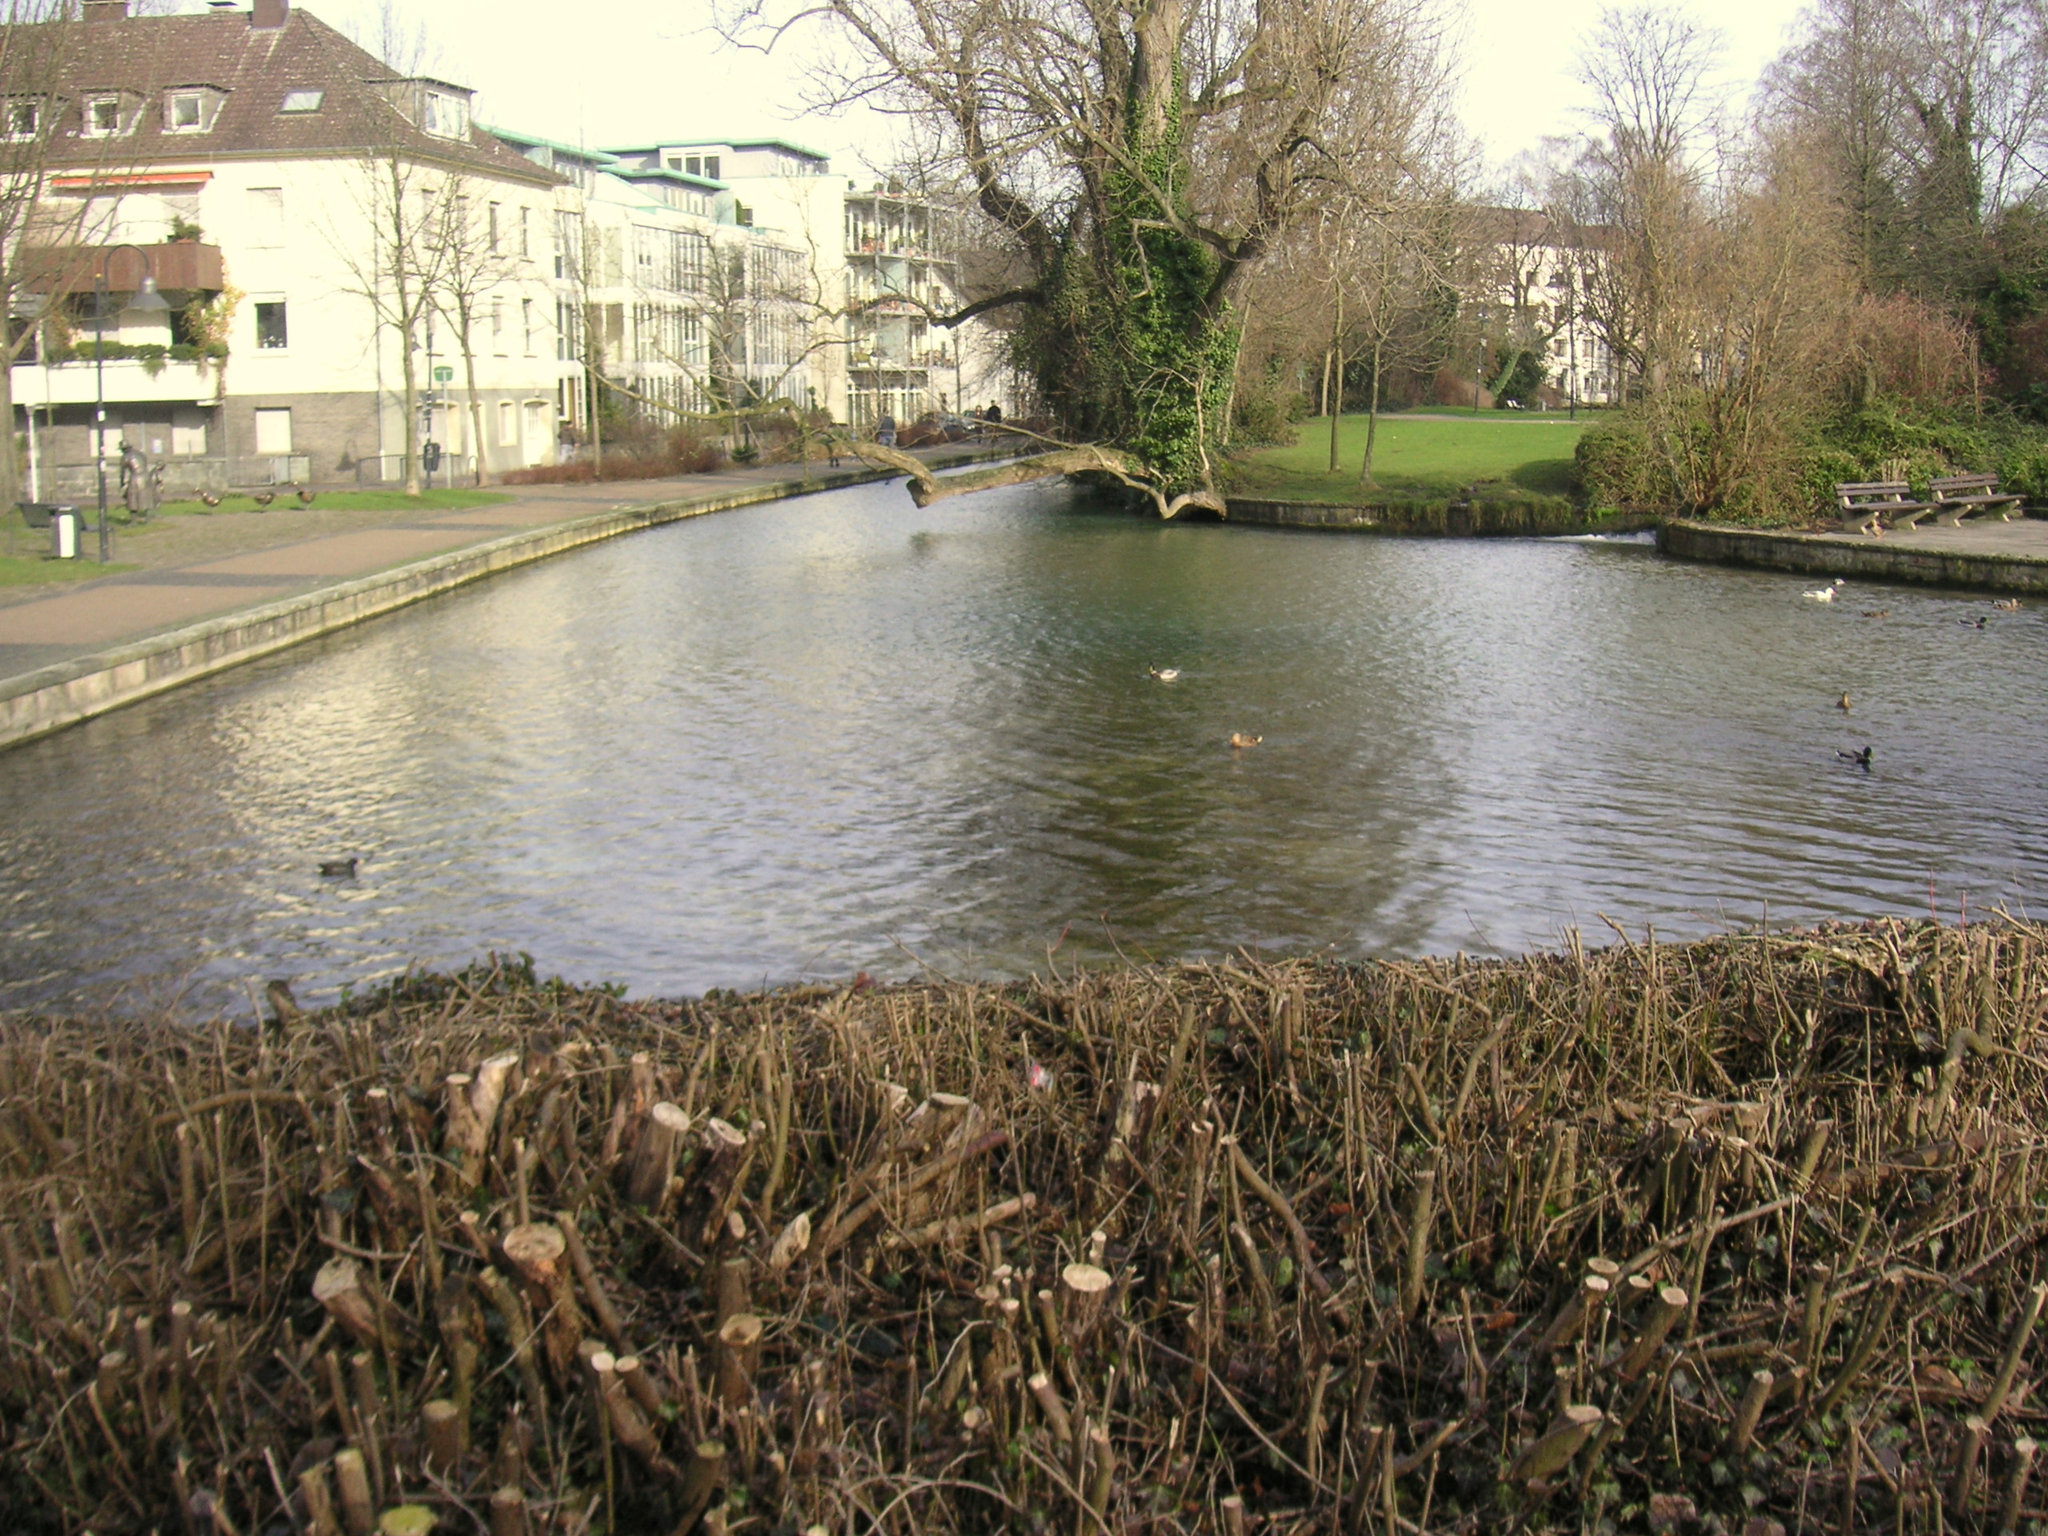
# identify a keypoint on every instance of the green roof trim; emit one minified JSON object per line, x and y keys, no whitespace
{"x":663,"y":173}
{"x":597,"y":157}
{"x":703,"y":144}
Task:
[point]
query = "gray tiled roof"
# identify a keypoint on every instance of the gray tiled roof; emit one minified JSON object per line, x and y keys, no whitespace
{"x":254,"y":68}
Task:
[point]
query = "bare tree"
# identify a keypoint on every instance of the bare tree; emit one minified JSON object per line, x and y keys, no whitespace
{"x":48,"y":237}
{"x":1142,"y":157}
{"x":474,"y":263}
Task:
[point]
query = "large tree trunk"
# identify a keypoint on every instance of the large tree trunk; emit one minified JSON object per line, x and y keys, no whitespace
{"x":10,"y":465}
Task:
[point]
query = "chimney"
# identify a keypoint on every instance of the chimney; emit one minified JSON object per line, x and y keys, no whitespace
{"x":106,"y":10}
{"x":270,"y":14}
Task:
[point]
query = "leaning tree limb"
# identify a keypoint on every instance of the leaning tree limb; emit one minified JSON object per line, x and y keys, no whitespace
{"x":926,"y":487}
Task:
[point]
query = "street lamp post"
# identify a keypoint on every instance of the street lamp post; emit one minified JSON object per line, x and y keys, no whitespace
{"x":145,"y":299}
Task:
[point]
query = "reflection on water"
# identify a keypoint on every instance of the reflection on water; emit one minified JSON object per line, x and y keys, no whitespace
{"x":843,"y":732}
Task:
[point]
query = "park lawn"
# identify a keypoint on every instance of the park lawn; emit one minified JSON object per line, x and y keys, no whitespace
{"x":1500,"y":455}
{"x":34,"y":570}
{"x":342,"y":501}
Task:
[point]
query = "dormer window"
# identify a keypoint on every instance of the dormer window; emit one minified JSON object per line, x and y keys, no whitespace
{"x":302,"y":101}
{"x":103,"y":117}
{"x":444,"y":115}
{"x":24,"y":119}
{"x":186,"y":112}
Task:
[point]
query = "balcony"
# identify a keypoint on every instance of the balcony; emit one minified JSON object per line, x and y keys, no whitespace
{"x":128,"y":381}
{"x":183,"y":267}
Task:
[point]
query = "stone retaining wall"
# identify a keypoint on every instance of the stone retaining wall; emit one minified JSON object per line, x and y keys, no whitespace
{"x":1869,"y":559}
{"x":1439,"y":519}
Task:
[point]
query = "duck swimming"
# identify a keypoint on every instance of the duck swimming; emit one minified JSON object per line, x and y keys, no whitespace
{"x":1239,"y":739}
{"x":1164,"y":674}
{"x":1824,"y":594}
{"x":1843,"y":703}
{"x":2007,"y":605}
{"x":337,"y":869}
{"x":1860,"y":759}
{"x":1877,"y":613}
{"x":1976,"y":623}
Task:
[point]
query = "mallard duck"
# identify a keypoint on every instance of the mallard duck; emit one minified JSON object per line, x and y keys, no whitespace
{"x":1824,"y":594}
{"x":1164,"y":674}
{"x":2007,"y":605}
{"x":1980,"y":622}
{"x":1860,"y":759}
{"x":207,"y":498}
{"x":1877,"y":613}
{"x":1239,"y":739}
{"x":305,"y":497}
{"x":1843,"y":703}
{"x":337,"y":869}
{"x":263,"y":498}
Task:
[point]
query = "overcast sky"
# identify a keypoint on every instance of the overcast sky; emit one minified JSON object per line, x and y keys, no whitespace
{"x":616,"y":71}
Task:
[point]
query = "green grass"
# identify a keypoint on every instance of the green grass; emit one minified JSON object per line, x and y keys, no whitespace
{"x":342,"y":501}
{"x":1501,"y":455}
{"x":34,"y":570}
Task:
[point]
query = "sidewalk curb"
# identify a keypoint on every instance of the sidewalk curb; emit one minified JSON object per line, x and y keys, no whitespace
{"x":37,"y":703}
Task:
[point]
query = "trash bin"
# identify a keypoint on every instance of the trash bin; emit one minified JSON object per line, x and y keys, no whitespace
{"x":64,"y":533}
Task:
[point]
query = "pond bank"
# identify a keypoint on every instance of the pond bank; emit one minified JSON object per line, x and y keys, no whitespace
{"x":1437,"y":519}
{"x":1286,"y":1245}
{"x":2004,"y":557}
{"x":332,"y":582}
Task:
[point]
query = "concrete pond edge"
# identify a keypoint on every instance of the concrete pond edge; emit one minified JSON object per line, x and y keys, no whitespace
{"x":67,"y":693}
{"x":1869,"y":559}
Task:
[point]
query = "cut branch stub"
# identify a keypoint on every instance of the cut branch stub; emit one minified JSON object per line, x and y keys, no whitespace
{"x":739,"y":1351}
{"x":1546,"y":1457}
{"x":1083,"y":1290}
{"x":1572,"y":1317}
{"x":1666,"y":1309}
{"x":654,"y":1158}
{"x":446,"y":1431}
{"x":789,"y":1246}
{"x":536,"y":1250}
{"x":339,"y":1288}
{"x":486,"y":1093}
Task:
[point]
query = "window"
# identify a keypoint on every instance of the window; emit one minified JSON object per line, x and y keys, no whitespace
{"x":536,"y":424}
{"x":526,"y":323}
{"x":266,"y":218}
{"x":694,"y":166}
{"x":494,"y":228}
{"x":103,"y":117}
{"x":302,"y":101}
{"x":188,"y":432}
{"x":23,"y":119}
{"x":186,"y":112}
{"x":508,"y":424}
{"x":711,"y":166}
{"x":498,"y":326}
{"x":525,"y":231}
{"x":274,"y":430}
{"x":445,"y":116}
{"x":270,"y":327}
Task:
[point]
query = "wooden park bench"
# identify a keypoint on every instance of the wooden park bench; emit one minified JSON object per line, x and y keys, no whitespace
{"x":1864,"y":503}
{"x":1961,"y":496}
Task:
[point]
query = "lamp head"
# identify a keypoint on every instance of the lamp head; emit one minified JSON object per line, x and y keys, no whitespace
{"x":147,"y":299}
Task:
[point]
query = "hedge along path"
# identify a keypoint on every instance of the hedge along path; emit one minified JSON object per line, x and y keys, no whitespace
{"x":1745,"y":1231}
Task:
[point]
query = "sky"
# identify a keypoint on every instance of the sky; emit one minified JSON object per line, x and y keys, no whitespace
{"x":608,"y":72}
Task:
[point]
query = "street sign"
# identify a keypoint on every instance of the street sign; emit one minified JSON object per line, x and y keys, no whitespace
{"x":444,"y":375}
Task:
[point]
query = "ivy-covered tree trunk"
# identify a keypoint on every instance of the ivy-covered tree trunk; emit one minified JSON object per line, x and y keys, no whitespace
{"x":1134,"y":345}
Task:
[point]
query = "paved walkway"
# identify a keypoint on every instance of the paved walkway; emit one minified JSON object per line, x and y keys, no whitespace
{"x":259,"y":558}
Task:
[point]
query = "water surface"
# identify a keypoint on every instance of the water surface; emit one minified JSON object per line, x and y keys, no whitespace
{"x":843,"y":733}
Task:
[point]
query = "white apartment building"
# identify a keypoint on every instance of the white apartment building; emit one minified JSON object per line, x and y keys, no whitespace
{"x":241,"y":155}
{"x":845,"y":285}
{"x":1530,"y":286}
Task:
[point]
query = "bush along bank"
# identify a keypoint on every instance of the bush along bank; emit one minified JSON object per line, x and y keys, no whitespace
{"x":1740,"y":1235}
{"x":1649,"y":460}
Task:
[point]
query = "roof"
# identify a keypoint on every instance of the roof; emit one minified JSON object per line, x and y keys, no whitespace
{"x":253,"y":68}
{"x":598,"y":157}
{"x":736,"y":144}
{"x":663,"y":173}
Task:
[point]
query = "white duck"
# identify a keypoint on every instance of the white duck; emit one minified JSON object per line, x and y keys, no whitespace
{"x":1165,"y":674}
{"x":1825,"y":594}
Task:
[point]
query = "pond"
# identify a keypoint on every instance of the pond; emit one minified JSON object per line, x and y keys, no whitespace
{"x":843,"y":733}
